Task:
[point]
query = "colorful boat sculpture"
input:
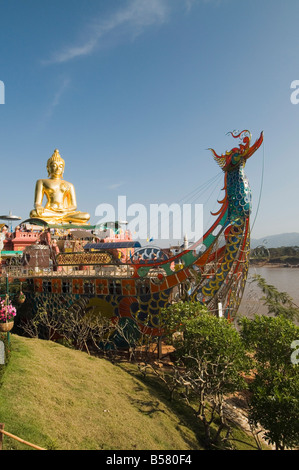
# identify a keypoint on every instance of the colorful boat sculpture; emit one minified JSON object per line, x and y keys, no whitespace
{"x":212,"y":271}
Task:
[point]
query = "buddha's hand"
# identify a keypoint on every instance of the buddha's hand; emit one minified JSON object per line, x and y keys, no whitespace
{"x":39,"y":210}
{"x":57,"y":208}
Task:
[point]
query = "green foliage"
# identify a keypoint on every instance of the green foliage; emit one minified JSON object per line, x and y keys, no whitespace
{"x":179,"y":313}
{"x":73,"y":328}
{"x":275,"y":405}
{"x":211,"y":361}
{"x":278,"y":303}
{"x":274,"y":402}
{"x":214,"y":358}
{"x":270,"y":339}
{"x":283,"y":255}
{"x":215,"y":341}
{"x":86,"y":330}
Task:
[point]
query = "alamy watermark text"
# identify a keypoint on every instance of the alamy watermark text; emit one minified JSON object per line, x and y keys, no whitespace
{"x":295,"y":94}
{"x":2,"y":92}
{"x":159,"y":221}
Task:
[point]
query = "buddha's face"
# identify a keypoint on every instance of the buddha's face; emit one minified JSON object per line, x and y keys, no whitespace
{"x":55,"y":169}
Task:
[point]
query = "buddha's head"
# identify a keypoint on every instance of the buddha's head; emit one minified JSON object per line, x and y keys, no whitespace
{"x":55,"y":165}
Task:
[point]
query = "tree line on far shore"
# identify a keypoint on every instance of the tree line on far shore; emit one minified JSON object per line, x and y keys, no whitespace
{"x":286,"y":255}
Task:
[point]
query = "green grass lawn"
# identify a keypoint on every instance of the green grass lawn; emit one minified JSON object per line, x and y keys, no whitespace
{"x":59,"y":398}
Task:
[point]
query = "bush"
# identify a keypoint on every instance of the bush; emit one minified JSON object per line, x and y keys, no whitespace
{"x":212,"y":360}
{"x":274,"y":402}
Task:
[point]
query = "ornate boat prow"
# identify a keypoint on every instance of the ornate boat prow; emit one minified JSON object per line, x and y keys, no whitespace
{"x":113,"y":281}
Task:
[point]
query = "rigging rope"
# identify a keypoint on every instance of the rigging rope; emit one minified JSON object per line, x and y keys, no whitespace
{"x":194,"y":195}
{"x":262,"y":183}
{"x":200,"y":189}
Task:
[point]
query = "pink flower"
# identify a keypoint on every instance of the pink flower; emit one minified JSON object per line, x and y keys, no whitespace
{"x":7,"y":311}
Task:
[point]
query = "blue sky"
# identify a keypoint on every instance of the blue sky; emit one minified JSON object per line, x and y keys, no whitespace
{"x":134,"y":92}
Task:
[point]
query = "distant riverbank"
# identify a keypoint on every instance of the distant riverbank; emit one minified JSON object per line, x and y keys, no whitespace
{"x":280,"y":264}
{"x":285,"y":256}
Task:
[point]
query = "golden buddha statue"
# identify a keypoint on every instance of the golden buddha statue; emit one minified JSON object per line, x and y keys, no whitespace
{"x":61,"y":205}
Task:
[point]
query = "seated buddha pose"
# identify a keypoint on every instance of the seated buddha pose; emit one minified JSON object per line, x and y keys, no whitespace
{"x":61,"y":205}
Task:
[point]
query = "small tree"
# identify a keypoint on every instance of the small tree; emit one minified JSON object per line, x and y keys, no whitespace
{"x":275,"y":405}
{"x":83,"y":329}
{"x":75,"y":326}
{"x":274,"y":402}
{"x":43,"y":323}
{"x":213,"y":360}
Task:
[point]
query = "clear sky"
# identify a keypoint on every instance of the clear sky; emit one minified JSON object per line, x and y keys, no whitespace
{"x":134,"y":92}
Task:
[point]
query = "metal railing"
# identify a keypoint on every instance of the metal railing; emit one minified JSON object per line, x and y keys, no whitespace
{"x":122,"y":271}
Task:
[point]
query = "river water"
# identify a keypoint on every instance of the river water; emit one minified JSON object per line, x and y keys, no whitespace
{"x":284,"y":279}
